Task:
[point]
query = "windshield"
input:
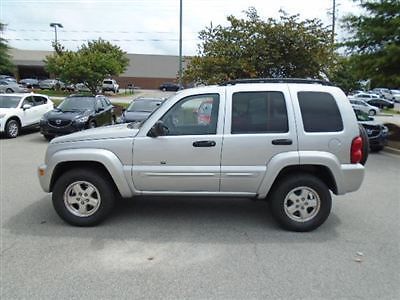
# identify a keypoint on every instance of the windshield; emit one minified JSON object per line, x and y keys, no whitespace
{"x":362,"y":116}
{"x":9,"y":101}
{"x":144,"y":105}
{"x":77,"y":103}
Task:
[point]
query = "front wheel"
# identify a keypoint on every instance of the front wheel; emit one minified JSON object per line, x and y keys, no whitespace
{"x":9,"y":91}
{"x":92,"y":124}
{"x":83,"y":197}
{"x":372,"y":112}
{"x":12,"y":129}
{"x":301,"y":202}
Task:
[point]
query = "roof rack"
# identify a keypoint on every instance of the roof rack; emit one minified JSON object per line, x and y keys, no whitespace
{"x":277,"y":80}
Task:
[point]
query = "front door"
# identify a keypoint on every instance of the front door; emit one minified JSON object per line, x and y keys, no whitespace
{"x":187,"y":158}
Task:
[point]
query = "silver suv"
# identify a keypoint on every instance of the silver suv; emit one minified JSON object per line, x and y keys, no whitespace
{"x":291,"y":142}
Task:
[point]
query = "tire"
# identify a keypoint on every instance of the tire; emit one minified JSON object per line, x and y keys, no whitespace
{"x":48,"y":137}
{"x":365,"y":147}
{"x":87,"y":208}
{"x":164,"y":89}
{"x":12,"y":128}
{"x":372,"y":112}
{"x":300,"y":202}
{"x":9,"y":91}
{"x":92,"y":124}
{"x":113,"y":120}
{"x":376,"y":148}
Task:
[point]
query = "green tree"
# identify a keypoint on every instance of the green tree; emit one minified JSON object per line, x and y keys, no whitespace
{"x":90,"y":64}
{"x":252,"y":47}
{"x":375,"y":41}
{"x":345,"y":74}
{"x":6,"y":65}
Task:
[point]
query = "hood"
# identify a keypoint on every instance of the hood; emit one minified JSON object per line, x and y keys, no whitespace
{"x":68,"y":115}
{"x":136,"y":115}
{"x":6,"y":110}
{"x":99,"y":133}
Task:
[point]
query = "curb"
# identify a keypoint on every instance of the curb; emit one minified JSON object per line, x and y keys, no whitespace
{"x":391,"y":150}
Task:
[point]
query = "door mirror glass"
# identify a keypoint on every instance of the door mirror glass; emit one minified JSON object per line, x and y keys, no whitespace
{"x":26,"y":106}
{"x":158,"y":129}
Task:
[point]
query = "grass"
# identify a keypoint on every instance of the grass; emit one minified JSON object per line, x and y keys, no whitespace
{"x":390,"y":111}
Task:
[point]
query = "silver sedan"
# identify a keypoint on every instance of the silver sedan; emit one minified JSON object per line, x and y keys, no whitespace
{"x":11,"y":87}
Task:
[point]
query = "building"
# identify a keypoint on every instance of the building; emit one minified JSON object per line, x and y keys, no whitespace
{"x":144,"y":70}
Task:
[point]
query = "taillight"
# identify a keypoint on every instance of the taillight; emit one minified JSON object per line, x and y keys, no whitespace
{"x":356,"y":150}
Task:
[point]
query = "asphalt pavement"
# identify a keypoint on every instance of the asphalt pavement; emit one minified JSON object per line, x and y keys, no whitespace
{"x":196,"y":248}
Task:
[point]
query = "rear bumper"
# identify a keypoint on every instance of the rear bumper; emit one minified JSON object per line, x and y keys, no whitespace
{"x":353,"y":176}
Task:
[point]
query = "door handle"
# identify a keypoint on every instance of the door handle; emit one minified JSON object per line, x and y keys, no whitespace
{"x":204,"y":144}
{"x":282,"y":142}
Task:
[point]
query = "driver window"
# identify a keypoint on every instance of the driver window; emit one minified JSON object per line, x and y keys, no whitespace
{"x":28,"y":100}
{"x":194,"y":115}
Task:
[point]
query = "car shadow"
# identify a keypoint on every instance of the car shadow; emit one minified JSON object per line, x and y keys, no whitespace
{"x":173,"y":219}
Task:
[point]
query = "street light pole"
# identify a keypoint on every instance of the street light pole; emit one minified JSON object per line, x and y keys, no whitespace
{"x":55,"y":25}
{"x":180,"y":42}
{"x":333,"y":21}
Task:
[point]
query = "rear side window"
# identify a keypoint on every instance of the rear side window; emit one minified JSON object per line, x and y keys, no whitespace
{"x":319,"y":112}
{"x":259,"y":112}
{"x":39,"y":100}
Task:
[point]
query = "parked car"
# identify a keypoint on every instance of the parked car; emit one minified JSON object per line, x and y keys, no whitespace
{"x":11,"y":87}
{"x":51,"y":84}
{"x":170,"y":86}
{"x":380,"y":103}
{"x":376,"y":131}
{"x":139,"y":109}
{"x":396,"y":95}
{"x":383,"y":92}
{"x":81,"y":87}
{"x":75,"y":113}
{"x":29,"y":82}
{"x":110,"y":85}
{"x":8,"y":78}
{"x":299,"y":143}
{"x":19,"y":111}
{"x":364,"y":106}
{"x":365,"y":96}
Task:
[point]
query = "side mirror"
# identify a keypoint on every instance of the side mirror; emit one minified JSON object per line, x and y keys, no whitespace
{"x":158,"y":129}
{"x":26,"y":106}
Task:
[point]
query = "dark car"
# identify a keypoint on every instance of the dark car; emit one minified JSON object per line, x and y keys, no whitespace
{"x":381,"y":103}
{"x":77,"y":112}
{"x":170,"y":86}
{"x":377,"y":132}
{"x":140,"y":109}
{"x":30,"y":82}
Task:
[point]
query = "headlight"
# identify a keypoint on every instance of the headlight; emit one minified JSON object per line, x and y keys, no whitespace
{"x":2,"y":115}
{"x":82,"y":119}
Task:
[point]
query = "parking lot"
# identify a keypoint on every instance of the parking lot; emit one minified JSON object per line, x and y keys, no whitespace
{"x":177,"y":248}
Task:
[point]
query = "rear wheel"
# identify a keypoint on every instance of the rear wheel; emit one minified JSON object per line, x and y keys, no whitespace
{"x":372,"y":112}
{"x":12,"y":128}
{"x":83,"y":197}
{"x":301,"y":202}
{"x":365,"y":146}
{"x":9,"y":90}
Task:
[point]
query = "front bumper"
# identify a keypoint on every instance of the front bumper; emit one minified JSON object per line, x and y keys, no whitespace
{"x":44,"y":178}
{"x":379,"y":140}
{"x":50,"y":130}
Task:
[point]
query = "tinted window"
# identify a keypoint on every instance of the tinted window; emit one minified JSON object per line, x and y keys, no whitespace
{"x":77,"y":103}
{"x":39,"y":100}
{"x":144,"y":105}
{"x":9,"y":101}
{"x":259,"y":112}
{"x":28,"y":100}
{"x":319,"y":112}
{"x":187,"y":117}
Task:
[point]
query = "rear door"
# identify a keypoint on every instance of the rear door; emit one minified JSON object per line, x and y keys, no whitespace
{"x":257,"y":128}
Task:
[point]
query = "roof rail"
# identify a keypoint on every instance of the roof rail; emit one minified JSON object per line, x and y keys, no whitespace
{"x":276,"y":80}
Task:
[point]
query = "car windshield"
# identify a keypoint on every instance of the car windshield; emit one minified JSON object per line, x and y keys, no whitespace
{"x":9,"y":101}
{"x":144,"y":105}
{"x":77,"y":103}
{"x":362,"y":116}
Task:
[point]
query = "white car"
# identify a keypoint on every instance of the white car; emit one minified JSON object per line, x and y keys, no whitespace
{"x":365,"y":96}
{"x":110,"y":85}
{"x":18,"y":111}
{"x":364,"y":106}
{"x":396,"y":95}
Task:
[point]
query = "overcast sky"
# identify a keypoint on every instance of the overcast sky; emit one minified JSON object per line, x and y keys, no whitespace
{"x":139,"y":26}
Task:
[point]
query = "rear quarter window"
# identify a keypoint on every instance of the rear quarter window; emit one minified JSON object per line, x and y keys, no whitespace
{"x":319,"y":112}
